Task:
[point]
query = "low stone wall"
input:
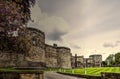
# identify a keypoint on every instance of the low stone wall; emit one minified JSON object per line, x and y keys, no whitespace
{"x":110,"y":75}
{"x":21,"y":75}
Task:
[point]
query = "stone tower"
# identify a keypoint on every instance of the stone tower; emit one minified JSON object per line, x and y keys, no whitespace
{"x":64,"y":57}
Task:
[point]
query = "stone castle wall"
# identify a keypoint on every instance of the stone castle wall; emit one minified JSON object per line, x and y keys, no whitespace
{"x":64,"y":57}
{"x":51,"y":56}
{"x":37,"y":51}
{"x":11,"y":59}
{"x":39,"y":54}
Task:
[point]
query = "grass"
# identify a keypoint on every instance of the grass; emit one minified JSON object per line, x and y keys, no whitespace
{"x":89,"y":71}
{"x":93,"y":71}
{"x":17,"y":70}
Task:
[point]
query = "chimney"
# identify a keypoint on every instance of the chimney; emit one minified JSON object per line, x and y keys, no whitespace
{"x":55,"y":45}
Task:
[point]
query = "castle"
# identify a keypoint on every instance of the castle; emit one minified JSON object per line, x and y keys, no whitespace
{"x":41,"y":54}
{"x":81,"y":62}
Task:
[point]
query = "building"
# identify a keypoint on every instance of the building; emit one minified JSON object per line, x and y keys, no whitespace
{"x":36,"y":55}
{"x":77,"y":61}
{"x":92,"y":61}
{"x":39,"y":54}
{"x":51,"y":56}
{"x":64,"y":57}
{"x":96,"y":60}
{"x":88,"y":62}
{"x":44,"y":55}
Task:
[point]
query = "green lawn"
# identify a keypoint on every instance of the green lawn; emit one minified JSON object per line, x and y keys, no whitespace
{"x":93,"y":71}
{"x":18,"y":70}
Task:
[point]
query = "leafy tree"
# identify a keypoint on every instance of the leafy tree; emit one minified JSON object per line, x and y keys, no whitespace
{"x":17,"y":45}
{"x":117,"y":59}
{"x":110,"y":60}
{"x":14,"y":14}
{"x":104,"y":63}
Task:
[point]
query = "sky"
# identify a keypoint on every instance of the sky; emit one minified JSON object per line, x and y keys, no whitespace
{"x":86,"y":26}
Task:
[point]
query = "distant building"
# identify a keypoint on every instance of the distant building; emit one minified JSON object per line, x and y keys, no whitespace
{"x":88,"y":62}
{"x":77,"y":61}
{"x":96,"y":60}
{"x":92,"y":61}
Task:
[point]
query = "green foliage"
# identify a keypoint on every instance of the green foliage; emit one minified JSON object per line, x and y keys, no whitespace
{"x":18,"y":45}
{"x":110,"y":60}
{"x":117,"y":58}
{"x":14,"y":14}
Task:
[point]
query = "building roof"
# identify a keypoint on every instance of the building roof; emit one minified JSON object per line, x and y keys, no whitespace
{"x":47,"y":45}
{"x":95,"y":55}
{"x":35,"y":29}
{"x":63,"y":48}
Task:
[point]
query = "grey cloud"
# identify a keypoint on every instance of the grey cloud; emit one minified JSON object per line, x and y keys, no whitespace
{"x":111,"y":44}
{"x":75,"y":46}
{"x":117,"y":42}
{"x":56,"y":35}
{"x":104,"y":14}
{"x":53,"y":26}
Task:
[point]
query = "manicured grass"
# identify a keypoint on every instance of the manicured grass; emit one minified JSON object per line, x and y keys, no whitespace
{"x":93,"y":71}
{"x":17,"y":70}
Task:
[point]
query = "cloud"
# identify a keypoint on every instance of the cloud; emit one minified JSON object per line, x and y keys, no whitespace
{"x":56,"y":35}
{"x":93,"y":16}
{"x":117,"y":42}
{"x":88,"y":23}
{"x":74,"y":46}
{"x":53,"y":26}
{"x":111,"y":44}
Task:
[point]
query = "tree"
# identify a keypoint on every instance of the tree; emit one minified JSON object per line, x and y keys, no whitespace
{"x":14,"y":15}
{"x":18,"y":45}
{"x":104,"y":63}
{"x":117,"y":59}
{"x":110,"y":60}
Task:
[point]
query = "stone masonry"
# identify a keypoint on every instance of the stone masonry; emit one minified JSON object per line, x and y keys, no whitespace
{"x":39,"y":55}
{"x":44,"y":55}
{"x":64,"y":57}
{"x":78,"y":60}
{"x":36,"y":55}
{"x":92,"y":61}
{"x":96,"y":60}
{"x":51,"y":56}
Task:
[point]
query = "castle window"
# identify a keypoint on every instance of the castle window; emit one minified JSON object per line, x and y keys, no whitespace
{"x":34,"y":41}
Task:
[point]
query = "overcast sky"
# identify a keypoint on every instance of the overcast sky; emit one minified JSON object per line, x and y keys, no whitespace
{"x":86,"y":26}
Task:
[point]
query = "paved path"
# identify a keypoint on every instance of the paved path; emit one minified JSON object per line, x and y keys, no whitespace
{"x":53,"y":75}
